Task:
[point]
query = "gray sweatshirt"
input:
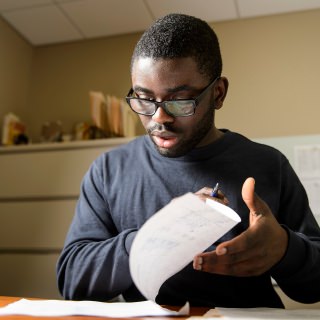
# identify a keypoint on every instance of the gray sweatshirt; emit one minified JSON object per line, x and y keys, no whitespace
{"x":127,"y":185}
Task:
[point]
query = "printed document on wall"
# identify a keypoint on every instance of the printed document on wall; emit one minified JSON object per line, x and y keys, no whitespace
{"x":307,"y":164}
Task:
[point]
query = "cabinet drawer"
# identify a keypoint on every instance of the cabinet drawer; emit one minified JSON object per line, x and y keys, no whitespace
{"x":43,"y":174}
{"x":40,"y":224}
{"x":24,"y":275}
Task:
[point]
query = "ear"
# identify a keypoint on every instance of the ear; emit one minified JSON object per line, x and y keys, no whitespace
{"x":220,"y":92}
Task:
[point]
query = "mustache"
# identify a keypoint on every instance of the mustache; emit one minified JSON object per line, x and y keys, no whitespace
{"x":162,"y":127}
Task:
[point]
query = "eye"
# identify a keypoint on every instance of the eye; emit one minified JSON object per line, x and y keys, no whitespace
{"x":182,"y":98}
{"x":183,"y":95}
{"x":144,"y":96}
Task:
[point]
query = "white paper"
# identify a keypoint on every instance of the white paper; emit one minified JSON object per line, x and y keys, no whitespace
{"x":59,"y":308}
{"x":312,"y":187}
{"x":170,"y":239}
{"x":307,"y":160}
{"x":307,"y":164}
{"x":262,"y":314}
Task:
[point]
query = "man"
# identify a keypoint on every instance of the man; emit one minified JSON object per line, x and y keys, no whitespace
{"x":176,"y":88}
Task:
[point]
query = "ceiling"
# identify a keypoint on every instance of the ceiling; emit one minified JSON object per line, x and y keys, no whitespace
{"x":43,"y":22}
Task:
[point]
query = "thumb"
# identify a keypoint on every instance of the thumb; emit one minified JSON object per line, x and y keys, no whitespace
{"x":248,"y":195}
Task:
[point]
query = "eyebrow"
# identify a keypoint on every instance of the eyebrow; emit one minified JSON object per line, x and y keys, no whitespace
{"x":169,"y":90}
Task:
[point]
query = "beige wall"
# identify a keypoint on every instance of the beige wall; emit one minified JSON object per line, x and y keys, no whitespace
{"x":272,"y":64}
{"x":274,"y":70}
{"x":64,"y":74}
{"x":15,"y":68}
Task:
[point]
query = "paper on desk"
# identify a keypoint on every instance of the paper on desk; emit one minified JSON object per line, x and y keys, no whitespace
{"x":59,"y":308}
{"x":261,"y":314}
{"x":171,"y":238}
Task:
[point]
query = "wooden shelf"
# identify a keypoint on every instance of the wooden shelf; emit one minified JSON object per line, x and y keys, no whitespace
{"x":55,"y":146}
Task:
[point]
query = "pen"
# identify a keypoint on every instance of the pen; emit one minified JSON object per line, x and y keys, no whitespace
{"x":214,"y":192}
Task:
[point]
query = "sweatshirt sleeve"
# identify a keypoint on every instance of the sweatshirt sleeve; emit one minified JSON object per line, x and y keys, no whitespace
{"x":94,"y":263}
{"x":298,"y":273}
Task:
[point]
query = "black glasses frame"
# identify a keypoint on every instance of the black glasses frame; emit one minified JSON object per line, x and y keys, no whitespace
{"x":163,"y":104}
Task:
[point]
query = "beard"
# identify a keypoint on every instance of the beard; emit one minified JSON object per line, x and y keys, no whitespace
{"x":186,"y":144}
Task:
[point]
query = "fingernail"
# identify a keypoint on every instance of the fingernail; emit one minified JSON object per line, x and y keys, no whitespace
{"x":198,"y":264}
{"x":221,"y":251}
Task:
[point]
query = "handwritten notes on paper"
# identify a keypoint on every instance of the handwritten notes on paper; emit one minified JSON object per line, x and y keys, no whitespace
{"x":170,"y":239}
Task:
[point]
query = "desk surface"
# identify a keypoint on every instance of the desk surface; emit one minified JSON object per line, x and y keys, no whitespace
{"x":4,"y":300}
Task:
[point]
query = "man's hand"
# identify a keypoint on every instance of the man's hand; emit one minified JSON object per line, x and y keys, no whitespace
{"x":206,"y":193}
{"x":255,"y":250}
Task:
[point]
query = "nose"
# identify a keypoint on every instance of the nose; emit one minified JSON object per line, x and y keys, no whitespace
{"x":162,"y":117}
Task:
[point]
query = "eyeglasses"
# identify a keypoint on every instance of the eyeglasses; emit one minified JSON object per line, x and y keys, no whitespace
{"x":175,"y":108}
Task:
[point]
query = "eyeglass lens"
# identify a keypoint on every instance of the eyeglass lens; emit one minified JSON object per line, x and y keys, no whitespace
{"x":175,"y":107}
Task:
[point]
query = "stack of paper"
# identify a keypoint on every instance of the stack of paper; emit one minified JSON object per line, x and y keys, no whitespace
{"x":112,"y":115}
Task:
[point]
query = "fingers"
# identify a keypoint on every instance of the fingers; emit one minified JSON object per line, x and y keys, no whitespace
{"x":234,"y":250}
{"x":210,"y":262}
{"x":255,"y":204}
{"x":248,"y":194}
{"x":241,"y":256}
{"x":197,"y":262}
{"x":206,"y":192}
{"x":238,"y":245}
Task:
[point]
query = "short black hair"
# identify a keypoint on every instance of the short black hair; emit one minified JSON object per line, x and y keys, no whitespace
{"x":181,"y":36}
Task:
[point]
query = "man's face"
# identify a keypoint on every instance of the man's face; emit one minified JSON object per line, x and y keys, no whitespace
{"x":170,"y":79}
